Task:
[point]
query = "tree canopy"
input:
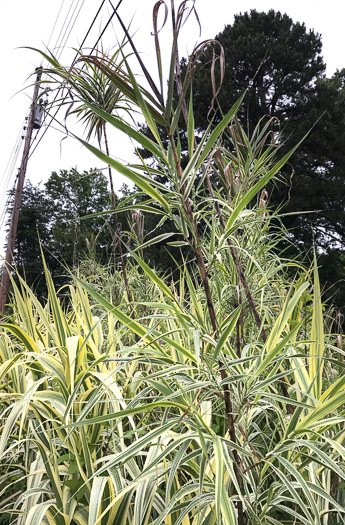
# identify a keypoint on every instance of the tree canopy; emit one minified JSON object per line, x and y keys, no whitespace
{"x":53,"y":217}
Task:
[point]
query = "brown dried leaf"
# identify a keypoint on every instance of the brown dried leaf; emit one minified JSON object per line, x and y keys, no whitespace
{"x":340,"y":342}
{"x":216,"y":90}
{"x":263,"y":199}
{"x":155,"y":17}
{"x":181,"y":19}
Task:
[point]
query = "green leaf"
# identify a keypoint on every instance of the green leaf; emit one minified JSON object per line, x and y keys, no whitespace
{"x":178,"y":244}
{"x":190,"y":125}
{"x":142,"y":409}
{"x":226,"y":508}
{"x":218,"y":450}
{"x":322,"y":409}
{"x":96,"y":498}
{"x":18,"y":332}
{"x":140,"y":180}
{"x":259,"y":185}
{"x":120,"y":124}
{"x":226,"y":329}
{"x":153,"y":276}
{"x":37,"y":513}
{"x":159,"y":238}
{"x":150,"y":121}
{"x":218,"y":130}
{"x":317,"y":336}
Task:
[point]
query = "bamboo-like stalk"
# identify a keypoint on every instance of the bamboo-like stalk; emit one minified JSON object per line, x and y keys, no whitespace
{"x":116,"y":222}
{"x":233,"y":250}
{"x":204,"y":278}
{"x":239,"y":328}
{"x":75,"y":243}
{"x":243,"y":281}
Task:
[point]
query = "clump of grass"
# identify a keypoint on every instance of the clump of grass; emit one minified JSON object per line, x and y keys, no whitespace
{"x":208,"y":401}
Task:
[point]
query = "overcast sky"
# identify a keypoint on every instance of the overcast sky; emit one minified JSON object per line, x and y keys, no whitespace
{"x":62,"y":25}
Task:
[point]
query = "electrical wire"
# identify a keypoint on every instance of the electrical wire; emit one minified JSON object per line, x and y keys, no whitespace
{"x":61,"y":40}
{"x":64,"y":42}
{"x":106,"y":27}
{"x":13,"y":158}
{"x":61,"y":30}
{"x":3,"y":215}
{"x":57,"y":44}
{"x":94,"y":20}
{"x":81,"y":45}
{"x":8,"y":174}
{"x":56,"y":19}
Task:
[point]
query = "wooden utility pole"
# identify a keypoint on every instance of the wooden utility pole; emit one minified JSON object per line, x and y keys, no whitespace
{"x":18,"y":199}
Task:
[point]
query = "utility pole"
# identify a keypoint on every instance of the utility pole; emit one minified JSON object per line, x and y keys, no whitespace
{"x":18,"y":199}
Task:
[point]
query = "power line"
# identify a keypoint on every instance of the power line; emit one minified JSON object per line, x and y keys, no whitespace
{"x":81,"y":45}
{"x":93,"y":21}
{"x":13,"y":157}
{"x":63,"y":30}
{"x":63,"y":25}
{"x":6,"y":179}
{"x":56,"y":19}
{"x":62,"y":38}
{"x":110,"y":19}
{"x":63,"y":44}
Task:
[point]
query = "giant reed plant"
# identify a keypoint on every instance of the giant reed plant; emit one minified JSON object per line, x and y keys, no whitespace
{"x":76,"y":86}
{"x":222,"y":400}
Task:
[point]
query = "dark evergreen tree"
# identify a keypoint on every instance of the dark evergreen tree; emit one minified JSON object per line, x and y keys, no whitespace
{"x":318,"y":182}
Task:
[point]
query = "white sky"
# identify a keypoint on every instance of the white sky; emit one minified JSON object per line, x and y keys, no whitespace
{"x":31,"y":23}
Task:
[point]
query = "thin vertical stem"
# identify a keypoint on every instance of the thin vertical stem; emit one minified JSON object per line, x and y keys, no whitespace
{"x":116,"y":221}
{"x":75,"y":243}
{"x":204,"y":278}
